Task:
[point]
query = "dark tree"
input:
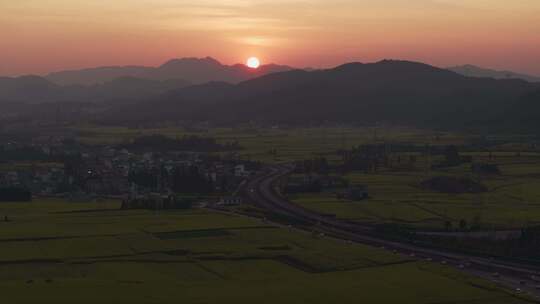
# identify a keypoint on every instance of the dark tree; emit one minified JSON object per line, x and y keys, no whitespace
{"x":15,"y":194}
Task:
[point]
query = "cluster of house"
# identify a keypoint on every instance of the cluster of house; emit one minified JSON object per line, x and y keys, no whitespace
{"x":108,"y":170}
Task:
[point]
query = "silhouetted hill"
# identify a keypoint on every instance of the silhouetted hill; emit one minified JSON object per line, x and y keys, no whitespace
{"x":32,"y":89}
{"x":94,"y":76}
{"x":131,"y":89}
{"x":397,"y":92}
{"x":193,"y":70}
{"x":525,"y":114}
{"x":474,"y":71}
{"x":35,"y":90}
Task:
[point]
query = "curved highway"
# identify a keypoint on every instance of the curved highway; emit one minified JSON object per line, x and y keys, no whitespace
{"x":262,"y":191}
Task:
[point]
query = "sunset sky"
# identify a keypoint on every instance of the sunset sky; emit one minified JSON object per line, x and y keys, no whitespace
{"x":38,"y":36}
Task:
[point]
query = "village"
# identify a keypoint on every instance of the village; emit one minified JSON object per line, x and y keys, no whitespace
{"x":86,"y":173}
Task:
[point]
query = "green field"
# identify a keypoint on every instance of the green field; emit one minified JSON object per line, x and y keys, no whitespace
{"x":53,"y":251}
{"x":289,"y":143}
{"x":512,"y":200}
{"x":61,"y":252}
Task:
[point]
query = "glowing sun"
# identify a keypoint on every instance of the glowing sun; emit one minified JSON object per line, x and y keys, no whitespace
{"x":253,"y":62}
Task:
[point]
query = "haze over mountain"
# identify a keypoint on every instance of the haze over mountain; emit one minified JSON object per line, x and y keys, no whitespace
{"x":475,"y":71}
{"x":28,"y":88}
{"x":36,"y":90}
{"x":398,"y":92}
{"x":193,"y":70}
{"x":125,"y":84}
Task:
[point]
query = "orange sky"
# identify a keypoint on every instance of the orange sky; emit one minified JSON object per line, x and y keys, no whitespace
{"x":38,"y":36}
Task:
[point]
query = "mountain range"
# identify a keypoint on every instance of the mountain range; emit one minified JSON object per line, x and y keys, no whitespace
{"x":398,"y":92}
{"x":124,"y":84}
{"x":391,"y":91}
{"x":193,"y":70}
{"x":37,"y":90}
{"x":474,"y":71}
{"x":202,"y":70}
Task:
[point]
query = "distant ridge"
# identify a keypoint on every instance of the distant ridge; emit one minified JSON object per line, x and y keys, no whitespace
{"x":27,"y":89}
{"x":93,"y":76}
{"x":392,"y":91}
{"x":388,"y":91}
{"x":36,"y":90}
{"x":193,"y":70}
{"x":475,"y":71}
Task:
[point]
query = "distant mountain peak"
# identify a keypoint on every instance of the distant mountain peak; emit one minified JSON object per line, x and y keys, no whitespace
{"x":191,"y":60}
{"x":471,"y":70}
